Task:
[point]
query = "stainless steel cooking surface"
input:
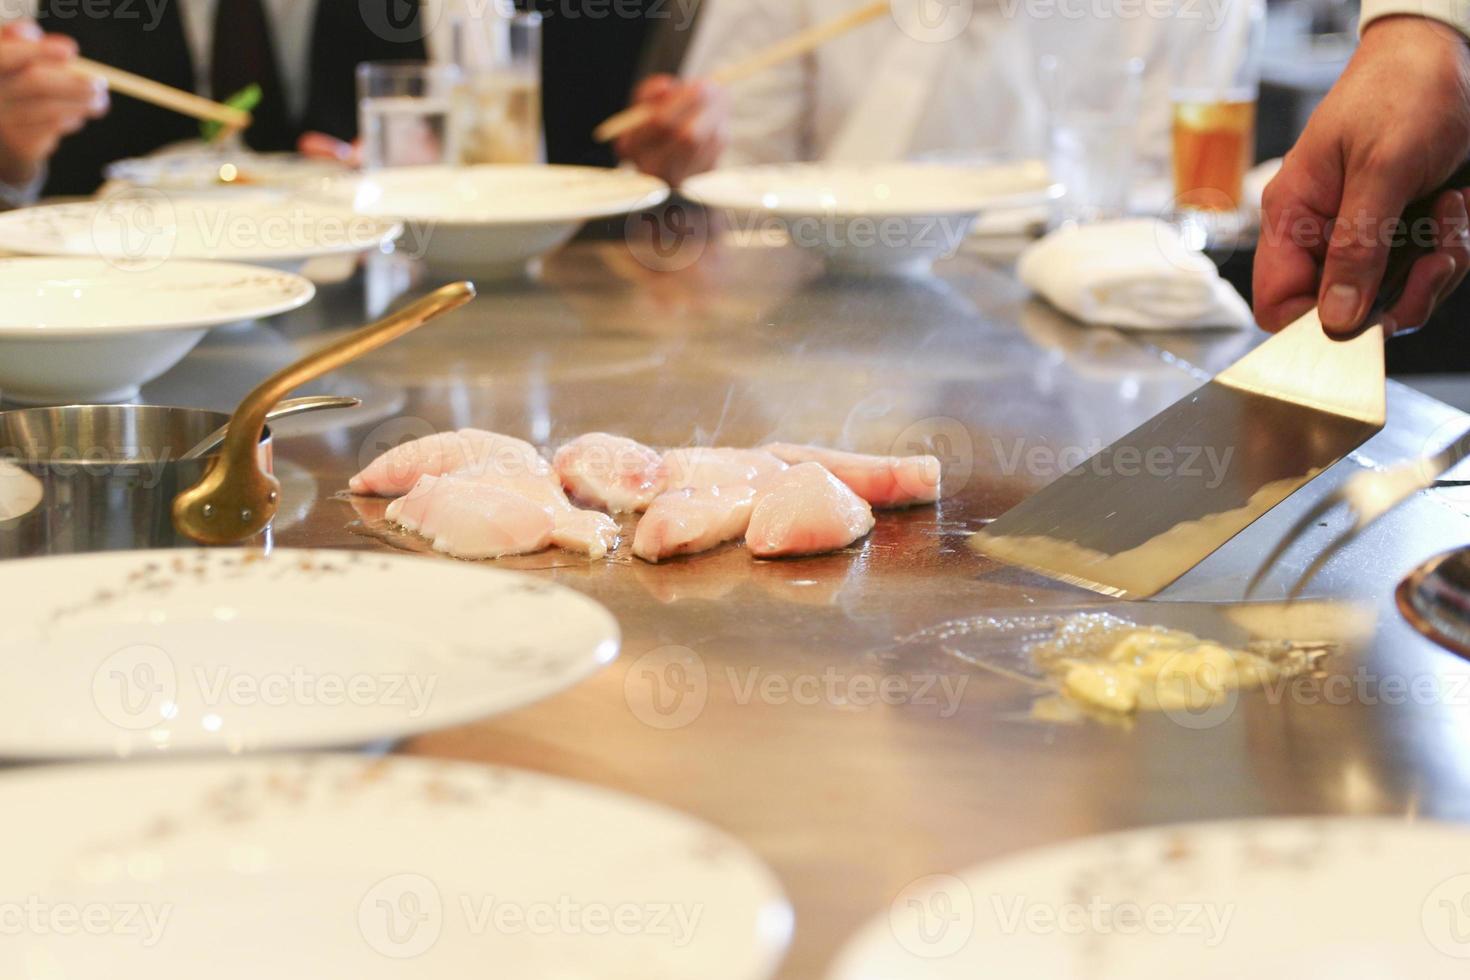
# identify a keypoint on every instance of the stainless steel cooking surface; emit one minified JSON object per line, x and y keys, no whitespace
{"x":811,"y":707}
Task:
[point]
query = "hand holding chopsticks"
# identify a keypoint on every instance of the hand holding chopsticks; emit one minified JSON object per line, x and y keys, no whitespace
{"x":186,"y":103}
{"x":782,"y":51}
{"x":41,"y":100}
{"x":48,"y":92}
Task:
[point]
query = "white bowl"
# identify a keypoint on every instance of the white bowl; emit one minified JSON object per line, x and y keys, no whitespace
{"x":209,"y":168}
{"x":493,"y":220}
{"x":158,"y":226}
{"x":89,"y":330}
{"x":886,"y":219}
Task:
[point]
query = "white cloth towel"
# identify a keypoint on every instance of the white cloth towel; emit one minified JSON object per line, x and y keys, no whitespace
{"x":1137,"y":274}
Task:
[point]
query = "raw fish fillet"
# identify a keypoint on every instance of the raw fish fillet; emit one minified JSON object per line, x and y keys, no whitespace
{"x":883,"y":481}
{"x":806,"y":511}
{"x":617,"y":474}
{"x":702,"y":467}
{"x":474,"y":451}
{"x":682,"y":522}
{"x":586,"y":531}
{"x":469,"y":519}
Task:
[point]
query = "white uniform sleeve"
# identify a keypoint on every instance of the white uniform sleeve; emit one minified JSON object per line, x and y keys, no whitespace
{"x":1455,"y":13}
{"x":19,"y":10}
{"x":770,"y":113}
{"x":19,"y":196}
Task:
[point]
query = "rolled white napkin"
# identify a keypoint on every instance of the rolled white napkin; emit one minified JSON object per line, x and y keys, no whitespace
{"x":1137,"y":274}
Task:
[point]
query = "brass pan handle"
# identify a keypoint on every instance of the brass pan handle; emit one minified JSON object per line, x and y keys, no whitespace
{"x":235,"y":500}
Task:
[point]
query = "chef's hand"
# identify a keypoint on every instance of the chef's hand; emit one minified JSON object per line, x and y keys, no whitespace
{"x":687,"y":133}
{"x":41,"y":98}
{"x":1393,"y":129}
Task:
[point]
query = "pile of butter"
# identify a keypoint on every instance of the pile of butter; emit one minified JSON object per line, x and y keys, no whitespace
{"x":1102,"y":662}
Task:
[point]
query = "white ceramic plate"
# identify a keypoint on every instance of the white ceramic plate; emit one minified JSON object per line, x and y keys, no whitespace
{"x":493,"y":218}
{"x":337,"y":867}
{"x":228,"y":650}
{"x":94,"y":298}
{"x":896,"y":217}
{"x":154,"y":226}
{"x":1345,"y":898}
{"x":209,"y":168}
{"x":89,"y":330}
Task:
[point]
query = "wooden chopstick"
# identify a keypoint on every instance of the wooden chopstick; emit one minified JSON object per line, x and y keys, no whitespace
{"x":166,"y":96}
{"x":792,"y":47}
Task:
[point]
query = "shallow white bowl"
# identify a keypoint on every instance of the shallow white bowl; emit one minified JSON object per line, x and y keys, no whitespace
{"x":154,"y":226}
{"x":208,"y":168}
{"x":493,"y":220}
{"x":89,"y":330}
{"x":892,"y":218}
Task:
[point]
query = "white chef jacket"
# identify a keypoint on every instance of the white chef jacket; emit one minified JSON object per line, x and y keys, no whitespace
{"x":874,"y":93}
{"x":1452,"y":12}
{"x":879,"y":94}
{"x":978,"y":91}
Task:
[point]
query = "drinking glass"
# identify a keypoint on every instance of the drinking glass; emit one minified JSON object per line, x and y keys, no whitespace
{"x":1214,"y":82}
{"x":1092,"y":109}
{"x":497,"y":104}
{"x":403,"y":110}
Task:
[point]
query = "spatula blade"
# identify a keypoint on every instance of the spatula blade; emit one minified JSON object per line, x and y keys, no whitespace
{"x":1135,"y":517}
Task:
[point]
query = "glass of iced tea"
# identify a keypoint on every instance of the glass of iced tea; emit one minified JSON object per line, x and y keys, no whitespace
{"x":1214,"y":142}
{"x":1215,"y":81}
{"x":497,"y":106}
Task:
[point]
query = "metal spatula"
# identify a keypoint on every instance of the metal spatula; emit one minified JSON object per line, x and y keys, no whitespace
{"x":1145,"y":510}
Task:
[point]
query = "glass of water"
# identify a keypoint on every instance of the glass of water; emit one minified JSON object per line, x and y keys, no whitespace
{"x":497,"y":104}
{"x":1093,"y":112}
{"x":403,"y":110}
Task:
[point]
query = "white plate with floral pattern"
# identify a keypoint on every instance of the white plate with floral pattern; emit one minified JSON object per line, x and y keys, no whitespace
{"x":1350,"y":898}
{"x":135,"y":653}
{"x":869,"y":218}
{"x":206,"y":167}
{"x":336,"y":866}
{"x":153,"y":227}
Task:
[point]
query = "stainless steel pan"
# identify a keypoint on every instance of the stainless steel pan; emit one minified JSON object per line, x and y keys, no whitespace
{"x":81,"y":478}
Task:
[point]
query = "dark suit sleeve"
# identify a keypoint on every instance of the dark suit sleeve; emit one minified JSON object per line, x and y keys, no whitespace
{"x":347,"y":33}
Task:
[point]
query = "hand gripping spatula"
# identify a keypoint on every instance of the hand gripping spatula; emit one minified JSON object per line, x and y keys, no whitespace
{"x":1145,"y":510}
